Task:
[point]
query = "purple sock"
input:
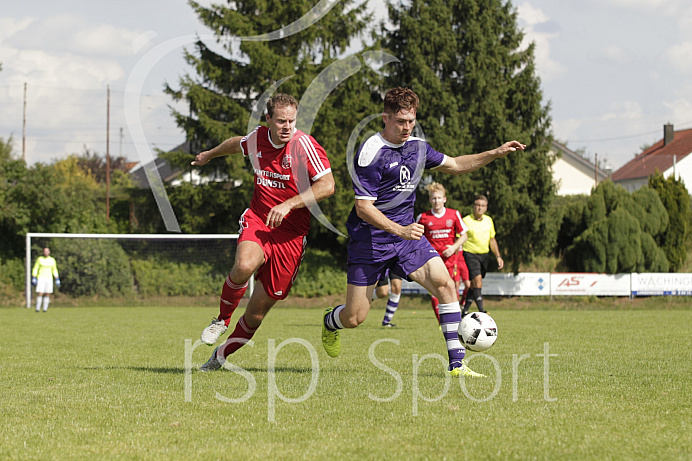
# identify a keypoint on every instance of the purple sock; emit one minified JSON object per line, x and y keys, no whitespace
{"x":450,"y":317}
{"x":392,"y":305}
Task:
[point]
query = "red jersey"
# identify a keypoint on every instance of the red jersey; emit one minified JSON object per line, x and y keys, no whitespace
{"x":442,"y":230}
{"x":282,"y":171}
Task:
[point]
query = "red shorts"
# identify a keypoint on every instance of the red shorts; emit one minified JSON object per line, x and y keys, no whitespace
{"x":457,"y":271}
{"x":283,"y":253}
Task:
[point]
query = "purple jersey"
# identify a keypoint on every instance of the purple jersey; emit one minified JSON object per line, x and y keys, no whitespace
{"x":388,"y":174}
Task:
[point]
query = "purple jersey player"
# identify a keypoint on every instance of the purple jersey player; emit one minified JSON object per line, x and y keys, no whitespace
{"x":382,"y":228}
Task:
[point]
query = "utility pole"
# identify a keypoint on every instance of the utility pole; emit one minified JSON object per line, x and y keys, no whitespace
{"x":24,"y":128}
{"x":596,"y":170}
{"x":108,"y":155}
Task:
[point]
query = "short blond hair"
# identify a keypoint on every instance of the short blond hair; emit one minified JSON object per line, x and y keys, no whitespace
{"x":436,"y":187}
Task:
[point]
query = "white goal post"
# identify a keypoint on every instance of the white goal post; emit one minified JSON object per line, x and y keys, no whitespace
{"x":32,"y":235}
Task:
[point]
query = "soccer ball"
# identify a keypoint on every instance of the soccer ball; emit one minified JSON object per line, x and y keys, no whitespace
{"x":477,"y":331}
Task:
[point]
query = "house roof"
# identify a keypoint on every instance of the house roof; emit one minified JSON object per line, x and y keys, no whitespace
{"x":130,"y":165}
{"x":557,"y":147}
{"x":657,"y":157}
{"x":166,"y":171}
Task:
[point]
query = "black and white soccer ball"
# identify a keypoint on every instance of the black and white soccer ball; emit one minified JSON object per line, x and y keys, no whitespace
{"x":477,"y":331}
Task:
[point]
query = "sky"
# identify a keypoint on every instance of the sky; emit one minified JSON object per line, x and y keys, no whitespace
{"x":613,"y":71}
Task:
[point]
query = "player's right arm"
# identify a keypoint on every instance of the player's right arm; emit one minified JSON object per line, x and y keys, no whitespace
{"x":228,"y":147}
{"x":366,"y":210}
{"x":468,"y":163}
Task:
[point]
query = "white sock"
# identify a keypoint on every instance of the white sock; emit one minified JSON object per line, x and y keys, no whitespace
{"x":332,"y":320}
{"x":46,"y":301}
{"x":39,"y":301}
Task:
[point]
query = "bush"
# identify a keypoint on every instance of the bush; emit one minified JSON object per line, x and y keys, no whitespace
{"x":156,"y":276}
{"x":13,"y":274}
{"x":571,"y":211}
{"x":676,"y":200}
{"x":90,"y":267}
{"x":320,"y":275}
{"x":619,"y":231}
{"x":653,"y":258}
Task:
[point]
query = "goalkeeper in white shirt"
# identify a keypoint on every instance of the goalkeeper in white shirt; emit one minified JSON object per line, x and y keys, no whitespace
{"x":45,"y":270}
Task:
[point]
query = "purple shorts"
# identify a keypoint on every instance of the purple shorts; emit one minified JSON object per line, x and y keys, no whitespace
{"x":368,"y":262}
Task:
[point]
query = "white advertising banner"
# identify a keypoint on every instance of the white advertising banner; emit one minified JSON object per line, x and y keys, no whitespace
{"x":653,"y":284}
{"x":586,"y":284}
{"x":577,"y":284}
{"x":522,"y":284}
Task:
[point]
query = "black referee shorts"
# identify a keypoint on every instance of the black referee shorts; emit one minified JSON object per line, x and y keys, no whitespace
{"x":477,"y":264}
{"x":385,"y":280}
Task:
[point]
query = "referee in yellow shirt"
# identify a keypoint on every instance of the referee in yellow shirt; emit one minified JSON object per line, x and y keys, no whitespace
{"x":481,"y":241}
{"x":45,"y":270}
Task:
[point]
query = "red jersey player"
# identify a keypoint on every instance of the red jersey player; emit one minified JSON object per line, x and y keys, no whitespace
{"x":292,"y":172}
{"x":442,"y":225}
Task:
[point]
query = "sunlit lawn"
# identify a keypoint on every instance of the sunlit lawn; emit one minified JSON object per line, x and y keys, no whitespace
{"x":122,"y":383}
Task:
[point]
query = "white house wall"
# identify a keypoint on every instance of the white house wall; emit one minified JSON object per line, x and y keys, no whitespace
{"x":633,"y":184}
{"x":572,"y":177}
{"x":683,"y":170}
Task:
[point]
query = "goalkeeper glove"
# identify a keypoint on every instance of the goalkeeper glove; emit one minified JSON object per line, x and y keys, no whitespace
{"x":57,"y":282}
{"x":34,"y":281}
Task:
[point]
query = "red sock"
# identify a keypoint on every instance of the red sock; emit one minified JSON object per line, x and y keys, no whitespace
{"x":436,"y":308}
{"x":463,"y":297}
{"x":240,"y":336}
{"x":230,"y":297}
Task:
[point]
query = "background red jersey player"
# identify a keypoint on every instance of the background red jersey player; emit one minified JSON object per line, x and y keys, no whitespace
{"x":446,"y":232}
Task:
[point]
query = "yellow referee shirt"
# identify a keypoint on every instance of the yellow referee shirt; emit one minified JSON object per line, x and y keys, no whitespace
{"x":479,"y":233}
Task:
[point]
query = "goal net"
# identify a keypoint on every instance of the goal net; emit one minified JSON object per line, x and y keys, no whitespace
{"x":136,"y":265}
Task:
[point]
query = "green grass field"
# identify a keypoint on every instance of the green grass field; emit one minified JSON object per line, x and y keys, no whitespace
{"x":118,"y":383}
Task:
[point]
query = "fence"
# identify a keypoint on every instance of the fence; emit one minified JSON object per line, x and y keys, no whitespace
{"x":578,"y":284}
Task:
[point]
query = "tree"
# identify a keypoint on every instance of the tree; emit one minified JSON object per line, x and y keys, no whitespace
{"x":676,"y":201}
{"x":228,"y":86}
{"x":94,"y":165}
{"x":620,"y":232}
{"x":93,"y":267}
{"x":45,"y":198}
{"x":13,"y":215}
{"x":478,"y":89}
{"x":570,"y":209}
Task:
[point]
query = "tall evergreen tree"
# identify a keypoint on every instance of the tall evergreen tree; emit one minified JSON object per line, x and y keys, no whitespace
{"x":676,"y":201}
{"x":228,"y":85}
{"x":620,"y":233}
{"x":479,"y":89}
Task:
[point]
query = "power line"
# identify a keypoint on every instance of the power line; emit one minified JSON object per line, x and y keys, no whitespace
{"x":101,"y":141}
{"x":65,"y":88}
{"x":619,"y":138}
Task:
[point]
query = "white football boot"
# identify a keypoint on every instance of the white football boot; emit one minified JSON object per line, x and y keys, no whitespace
{"x":211,"y":334}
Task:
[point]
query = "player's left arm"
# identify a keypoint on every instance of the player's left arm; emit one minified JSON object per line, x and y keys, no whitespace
{"x":468,"y":163}
{"x":322,"y":188}
{"x":451,"y":249}
{"x":496,"y":251}
{"x":460,"y":229}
